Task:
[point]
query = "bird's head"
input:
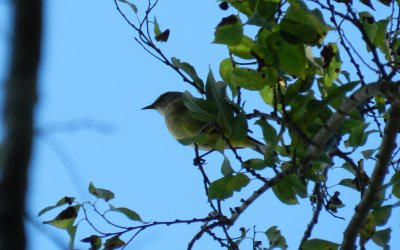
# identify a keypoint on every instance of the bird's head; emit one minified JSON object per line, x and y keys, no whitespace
{"x":162,"y":102}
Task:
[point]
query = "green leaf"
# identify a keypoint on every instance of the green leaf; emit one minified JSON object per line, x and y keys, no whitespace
{"x":331,"y":64}
{"x":298,"y":185}
{"x":188,"y":69}
{"x":249,"y":78}
{"x":314,"y":112}
{"x":113,"y":243}
{"x":94,"y":240}
{"x":319,"y":244}
{"x":382,"y":237}
{"x":226,"y":168}
{"x":256,"y":164}
{"x":291,"y":57}
{"x":61,"y":202}
{"x":239,"y":127}
{"x":244,"y":6}
{"x":224,"y":187}
{"x":335,"y":93}
{"x":270,"y":157}
{"x":264,"y":13}
{"x":200,"y":109}
{"x":347,"y":166}
{"x":380,"y":197}
{"x":163,"y":37}
{"x":220,"y":145}
{"x":275,"y":238}
{"x":285,"y":191}
{"x":158,"y":35}
{"x":132,"y":215}
{"x":72,"y":232}
{"x":66,"y":218}
{"x":225,"y":71}
{"x":347,"y":182}
{"x":229,"y":31}
{"x":300,"y":25}
{"x":101,"y":193}
{"x":358,"y":135}
{"x":376,"y":31}
{"x":368,"y":153}
{"x":216,"y":94}
{"x":368,"y":228}
{"x":157,"y":30}
{"x":380,"y":104}
{"x":243,"y":49}
{"x":382,"y":214}
{"x":269,"y":132}
{"x":133,"y":7}
{"x":395,"y":181}
{"x":267,"y":94}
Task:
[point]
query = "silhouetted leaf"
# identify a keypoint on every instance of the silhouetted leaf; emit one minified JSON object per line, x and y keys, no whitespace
{"x":61,"y":202}
{"x":133,"y":7}
{"x":256,"y":164}
{"x":127,"y":212}
{"x":94,"y":240}
{"x":382,"y":237}
{"x":72,"y":233}
{"x":226,"y":168}
{"x":348,"y":183}
{"x":188,"y":69}
{"x":113,"y":243}
{"x":395,"y":181}
{"x":66,"y":218}
{"x":382,"y":214}
{"x":101,"y":193}
{"x":163,"y":36}
{"x":275,"y":238}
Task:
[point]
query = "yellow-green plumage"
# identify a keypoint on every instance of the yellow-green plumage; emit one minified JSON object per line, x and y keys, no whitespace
{"x":182,"y":124}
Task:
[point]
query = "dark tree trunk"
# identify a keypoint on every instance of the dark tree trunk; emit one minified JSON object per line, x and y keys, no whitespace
{"x":20,"y":99}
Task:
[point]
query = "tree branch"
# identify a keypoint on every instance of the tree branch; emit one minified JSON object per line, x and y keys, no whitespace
{"x":377,"y":177}
{"x":390,"y":90}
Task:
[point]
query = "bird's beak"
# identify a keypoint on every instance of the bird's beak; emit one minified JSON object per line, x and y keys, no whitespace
{"x":151,"y":106}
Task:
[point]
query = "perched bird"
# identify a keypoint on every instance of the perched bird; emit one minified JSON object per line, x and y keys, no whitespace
{"x":182,"y":125}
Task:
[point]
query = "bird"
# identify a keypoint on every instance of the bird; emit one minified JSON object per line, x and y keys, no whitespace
{"x":182,"y":125}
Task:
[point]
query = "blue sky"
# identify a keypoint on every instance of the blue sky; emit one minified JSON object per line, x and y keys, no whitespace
{"x":94,"y":80}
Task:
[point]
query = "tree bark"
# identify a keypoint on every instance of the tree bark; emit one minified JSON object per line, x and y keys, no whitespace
{"x":18,"y":118}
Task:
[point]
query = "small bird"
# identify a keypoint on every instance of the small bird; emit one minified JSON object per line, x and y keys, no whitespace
{"x":182,"y":125}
